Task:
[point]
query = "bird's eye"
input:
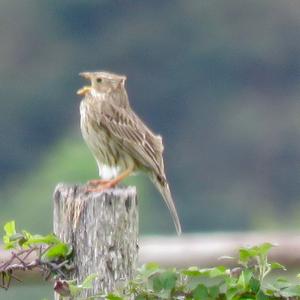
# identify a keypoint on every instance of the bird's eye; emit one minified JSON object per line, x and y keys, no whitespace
{"x":99,"y":80}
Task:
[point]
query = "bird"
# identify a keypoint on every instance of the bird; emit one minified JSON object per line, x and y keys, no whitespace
{"x":119,"y":140}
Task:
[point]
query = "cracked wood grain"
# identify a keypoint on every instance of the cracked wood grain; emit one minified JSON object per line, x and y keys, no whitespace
{"x":103,"y":230}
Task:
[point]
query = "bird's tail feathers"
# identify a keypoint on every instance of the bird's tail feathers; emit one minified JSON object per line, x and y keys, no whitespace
{"x":164,"y":189}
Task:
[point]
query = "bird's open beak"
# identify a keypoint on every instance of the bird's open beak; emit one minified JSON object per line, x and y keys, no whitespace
{"x":85,"y":89}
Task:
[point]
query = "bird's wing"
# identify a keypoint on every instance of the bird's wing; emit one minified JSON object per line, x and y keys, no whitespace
{"x":125,"y":127}
{"x":133,"y":135}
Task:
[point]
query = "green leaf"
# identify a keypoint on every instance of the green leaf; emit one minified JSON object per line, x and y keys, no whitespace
{"x":164,"y":294}
{"x":217,"y":271}
{"x":157,"y":284}
{"x":200,"y":292}
{"x":8,"y":244}
{"x":270,"y":291}
{"x":192,"y":283}
{"x":168,"y":280}
{"x":58,"y":251}
{"x":164,"y":283}
{"x":214,"y":272}
{"x":214,"y":291}
{"x":10,"y":232}
{"x":244,"y":279}
{"x":254,"y":285}
{"x":191,"y":271}
{"x":232,"y":292}
{"x":152,"y":266}
{"x":292,"y":291}
{"x":148,"y":269}
{"x":27,"y":235}
{"x":10,"y":228}
{"x":246,"y":254}
{"x":88,"y":281}
{"x":276,"y":266}
{"x":264,"y":248}
{"x":281,"y":283}
{"x":113,"y":297}
{"x":74,"y":290}
{"x":262,"y":296}
{"x":49,"y":239}
{"x":16,"y":237}
{"x":231,"y":282}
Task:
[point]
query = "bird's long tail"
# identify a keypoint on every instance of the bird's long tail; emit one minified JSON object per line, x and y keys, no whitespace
{"x":163,"y":187}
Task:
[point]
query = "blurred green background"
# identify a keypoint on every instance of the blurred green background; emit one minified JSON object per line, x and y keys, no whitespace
{"x":219,"y":80}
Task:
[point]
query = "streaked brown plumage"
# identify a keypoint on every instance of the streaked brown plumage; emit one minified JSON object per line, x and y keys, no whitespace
{"x":120,"y":142}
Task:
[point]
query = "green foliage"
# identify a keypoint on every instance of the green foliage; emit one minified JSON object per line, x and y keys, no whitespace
{"x":9,"y":238}
{"x":260,"y":255}
{"x":246,"y":281}
{"x":55,"y":249}
{"x":69,"y":288}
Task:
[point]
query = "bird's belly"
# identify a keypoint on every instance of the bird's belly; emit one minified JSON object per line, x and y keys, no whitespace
{"x":110,"y":159}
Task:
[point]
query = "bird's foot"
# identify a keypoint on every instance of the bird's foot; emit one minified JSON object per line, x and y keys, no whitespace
{"x":99,"y":185}
{"x":97,"y":182}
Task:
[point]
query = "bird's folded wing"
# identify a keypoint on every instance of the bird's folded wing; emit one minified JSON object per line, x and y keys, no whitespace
{"x":125,"y":127}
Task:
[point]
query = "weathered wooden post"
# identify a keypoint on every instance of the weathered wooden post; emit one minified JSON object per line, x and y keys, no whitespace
{"x":103,"y":229}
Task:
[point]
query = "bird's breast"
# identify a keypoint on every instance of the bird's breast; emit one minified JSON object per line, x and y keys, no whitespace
{"x":110,"y":158}
{"x":94,"y":135}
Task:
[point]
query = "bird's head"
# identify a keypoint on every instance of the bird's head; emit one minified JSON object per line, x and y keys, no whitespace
{"x":102,"y":82}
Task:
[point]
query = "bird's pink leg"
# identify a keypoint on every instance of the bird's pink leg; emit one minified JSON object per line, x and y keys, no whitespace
{"x":96,"y":182}
{"x":100,"y":185}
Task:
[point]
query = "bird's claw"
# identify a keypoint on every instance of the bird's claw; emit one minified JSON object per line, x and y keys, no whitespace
{"x":97,"y":182}
{"x":99,"y":185}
